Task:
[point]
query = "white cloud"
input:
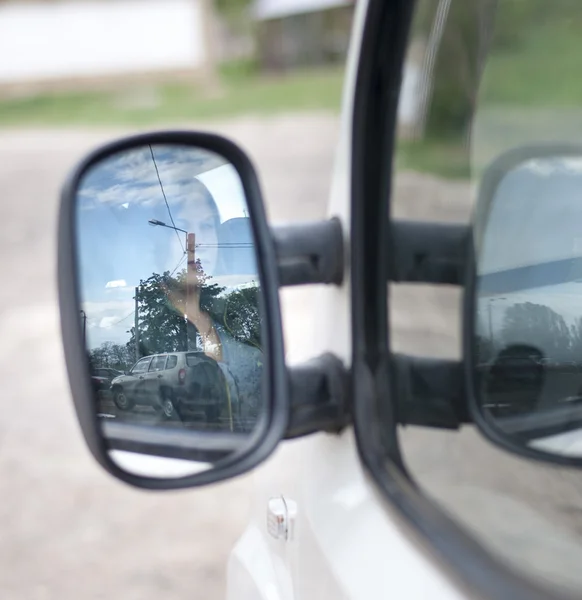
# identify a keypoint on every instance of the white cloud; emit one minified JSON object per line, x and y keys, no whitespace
{"x":236,"y":281}
{"x":107,"y":322}
{"x":134,"y":178}
{"x":92,"y":309}
{"x":184,"y":192}
{"x":551,"y":165}
{"x":118,"y":283}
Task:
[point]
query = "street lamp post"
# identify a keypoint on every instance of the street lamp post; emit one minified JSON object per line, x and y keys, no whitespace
{"x":84,"y":316}
{"x":191,"y":274}
{"x":136,"y":325}
{"x":158,"y":223}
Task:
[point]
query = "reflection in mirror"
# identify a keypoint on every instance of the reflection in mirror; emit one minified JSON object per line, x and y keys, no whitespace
{"x":528,"y":321}
{"x":155,"y":466}
{"x":170,"y":299}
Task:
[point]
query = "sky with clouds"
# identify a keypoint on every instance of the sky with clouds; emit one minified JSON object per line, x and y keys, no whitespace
{"x":117,"y":246}
{"x":535,"y":217}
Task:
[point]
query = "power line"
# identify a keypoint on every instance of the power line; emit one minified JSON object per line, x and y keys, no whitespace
{"x":165,"y":199}
{"x":233,"y":245}
{"x":178,"y":265}
{"x":124,"y":318}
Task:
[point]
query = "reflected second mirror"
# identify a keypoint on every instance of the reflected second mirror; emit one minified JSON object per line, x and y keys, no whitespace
{"x":170,"y":303}
{"x":528,"y":315}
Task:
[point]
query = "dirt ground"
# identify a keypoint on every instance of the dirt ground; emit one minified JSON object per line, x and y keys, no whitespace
{"x":69,"y":531}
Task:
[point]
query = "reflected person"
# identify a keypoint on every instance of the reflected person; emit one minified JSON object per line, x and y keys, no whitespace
{"x":221,"y":303}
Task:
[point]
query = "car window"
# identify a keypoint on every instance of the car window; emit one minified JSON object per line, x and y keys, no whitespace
{"x":481,"y":78}
{"x":172,"y":361}
{"x":192,"y":359}
{"x":141,"y":366}
{"x":158,"y":363}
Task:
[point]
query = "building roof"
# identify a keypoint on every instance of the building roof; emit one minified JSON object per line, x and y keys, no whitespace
{"x":264,"y":10}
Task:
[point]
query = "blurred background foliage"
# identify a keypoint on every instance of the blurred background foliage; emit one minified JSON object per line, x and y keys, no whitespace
{"x":511,"y":53}
{"x":491,"y":53}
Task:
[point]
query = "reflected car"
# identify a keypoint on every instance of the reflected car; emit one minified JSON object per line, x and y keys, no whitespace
{"x":102,"y":379}
{"x":174,"y":383}
{"x":513,"y":384}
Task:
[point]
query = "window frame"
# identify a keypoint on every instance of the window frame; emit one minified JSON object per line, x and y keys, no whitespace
{"x":164,"y":356}
{"x":141,"y":360}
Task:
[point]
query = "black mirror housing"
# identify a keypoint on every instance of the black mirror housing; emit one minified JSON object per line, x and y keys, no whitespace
{"x":520,"y":319}
{"x":236,"y":458}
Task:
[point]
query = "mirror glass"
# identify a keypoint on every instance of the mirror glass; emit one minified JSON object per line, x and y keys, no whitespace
{"x":170,"y":307}
{"x":528,"y":309}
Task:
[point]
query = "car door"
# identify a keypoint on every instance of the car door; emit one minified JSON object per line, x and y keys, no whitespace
{"x":134,"y":384}
{"x":102,"y":379}
{"x":154,"y":379}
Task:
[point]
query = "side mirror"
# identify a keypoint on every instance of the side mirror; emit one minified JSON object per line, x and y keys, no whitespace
{"x":524,"y":304}
{"x":161,"y":282}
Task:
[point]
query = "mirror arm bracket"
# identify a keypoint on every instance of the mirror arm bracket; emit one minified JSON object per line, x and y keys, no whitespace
{"x":431,"y":392}
{"x":319,"y":397}
{"x":309,"y":253}
{"x":425,"y":252}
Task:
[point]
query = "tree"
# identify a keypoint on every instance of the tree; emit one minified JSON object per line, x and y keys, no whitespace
{"x":461,"y":53}
{"x":111,"y":355}
{"x":484,"y":349}
{"x":576,"y":340}
{"x":467,"y":35}
{"x":538,"y":326}
{"x":161,"y":309}
{"x":235,"y":12}
{"x":162,"y":305}
{"x":241,"y":317}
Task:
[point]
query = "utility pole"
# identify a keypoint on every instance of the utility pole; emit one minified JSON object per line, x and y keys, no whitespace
{"x":136,"y":324}
{"x":84,"y":315}
{"x":191,"y":283}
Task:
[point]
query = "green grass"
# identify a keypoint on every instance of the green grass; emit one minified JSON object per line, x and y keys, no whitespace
{"x":448,"y":159}
{"x":539,"y":71}
{"x":543,"y":70}
{"x":243,"y":92}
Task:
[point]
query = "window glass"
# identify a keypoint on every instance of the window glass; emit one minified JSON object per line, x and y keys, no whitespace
{"x":141,"y":366}
{"x":192,"y":359}
{"x":158,"y":363}
{"x":172,"y":361}
{"x":482,"y":77}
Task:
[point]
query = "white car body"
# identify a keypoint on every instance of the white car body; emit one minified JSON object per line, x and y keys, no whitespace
{"x":344,"y":543}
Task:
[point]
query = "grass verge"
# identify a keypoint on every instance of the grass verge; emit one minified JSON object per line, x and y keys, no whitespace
{"x":179,"y":102}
